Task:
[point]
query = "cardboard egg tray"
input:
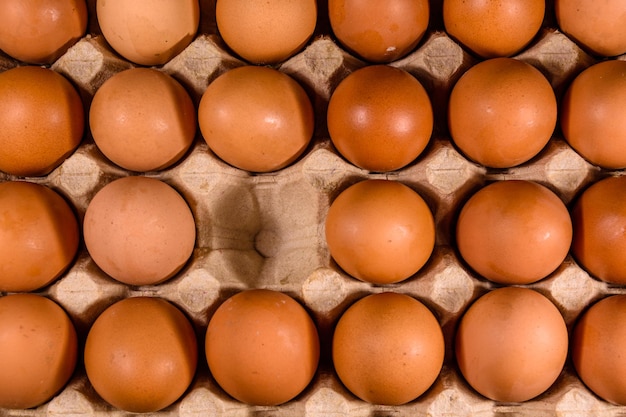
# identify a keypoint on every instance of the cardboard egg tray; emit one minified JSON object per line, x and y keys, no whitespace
{"x":267,"y":230}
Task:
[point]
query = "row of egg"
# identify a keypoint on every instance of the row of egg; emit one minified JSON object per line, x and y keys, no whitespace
{"x":262,"y":348}
{"x":151,"y":33}
{"x":501,"y":113}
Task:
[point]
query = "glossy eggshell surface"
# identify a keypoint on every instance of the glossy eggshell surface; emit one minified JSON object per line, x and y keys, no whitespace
{"x":493,"y":28}
{"x":502,"y":112}
{"x":148,"y":32}
{"x":142,"y":119}
{"x":262,"y":347}
{"x":40,"y":31}
{"x":596,"y":26}
{"x":599,"y":218}
{"x":380,"y":118}
{"x":141,"y":354}
{"x":514,"y":232}
{"x":266,"y":32}
{"x":38,"y":350}
{"x":256,"y":118}
{"x":511,"y":344}
{"x":39,"y":236}
{"x":379,"y":32}
{"x":139,"y":230}
{"x":388,"y":348}
{"x":42,"y":119}
{"x":597,"y":348}
{"x":592,"y":112}
{"x":380,"y":231}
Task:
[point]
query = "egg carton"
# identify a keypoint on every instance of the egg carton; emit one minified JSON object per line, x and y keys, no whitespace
{"x":267,"y":230}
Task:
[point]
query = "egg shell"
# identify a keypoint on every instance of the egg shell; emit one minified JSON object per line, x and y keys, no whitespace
{"x":262,"y":347}
{"x":38,"y":350}
{"x":141,"y":354}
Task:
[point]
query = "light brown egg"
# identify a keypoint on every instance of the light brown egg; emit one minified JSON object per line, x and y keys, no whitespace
{"x":380,"y":231}
{"x":514,"y":232}
{"x":599,"y":218}
{"x":266,"y":32}
{"x":597,"y":26}
{"x":380,"y":118}
{"x":141,"y":354}
{"x":493,"y":28}
{"x":502,"y":112}
{"x":38,"y":236}
{"x":598,"y":348}
{"x":42,"y":119}
{"x":142,"y":119}
{"x":262,"y":347}
{"x":256,"y":118}
{"x":511,"y":344}
{"x":148,"y":32}
{"x":592,"y":114}
{"x":139,"y":230}
{"x":40,"y":31}
{"x":388,"y":348}
{"x":379,"y":32}
{"x":38,"y":350}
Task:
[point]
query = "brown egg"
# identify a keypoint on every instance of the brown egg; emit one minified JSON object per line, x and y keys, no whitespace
{"x":502,"y":112}
{"x":511,"y":344}
{"x":380,"y":231}
{"x":142,"y":119}
{"x":596,"y":26}
{"x":599,"y":218}
{"x":379,"y":32}
{"x":388,"y":348}
{"x":38,"y":350}
{"x":38,"y":236}
{"x":266,"y":32}
{"x":42,"y":119}
{"x":148,"y":32}
{"x":514,"y":232}
{"x":262,"y":347}
{"x":380,"y":118}
{"x":141,"y":354}
{"x":40,"y":31}
{"x":139,"y":230}
{"x":256,"y":118}
{"x":493,"y":28}
{"x":592,"y":114}
{"x":598,"y":348}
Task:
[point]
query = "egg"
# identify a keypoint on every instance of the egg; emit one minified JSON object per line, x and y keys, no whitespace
{"x":380,"y":231}
{"x":42,"y":119}
{"x":596,"y":26}
{"x":142,"y":119}
{"x":591,"y":113}
{"x":39,"y":32}
{"x":38,"y":350}
{"x":262,"y":347}
{"x":267,"y":32}
{"x":492,"y":29}
{"x":388,"y":348}
{"x":148,"y":32}
{"x":141,"y":354}
{"x":380,"y":118}
{"x":139,"y":230}
{"x":514,"y":232}
{"x":502,"y":112}
{"x":599,"y":217}
{"x":511,"y":344}
{"x":598,"y":342}
{"x":379,"y":32}
{"x":256,"y":118}
{"x":39,"y":236}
